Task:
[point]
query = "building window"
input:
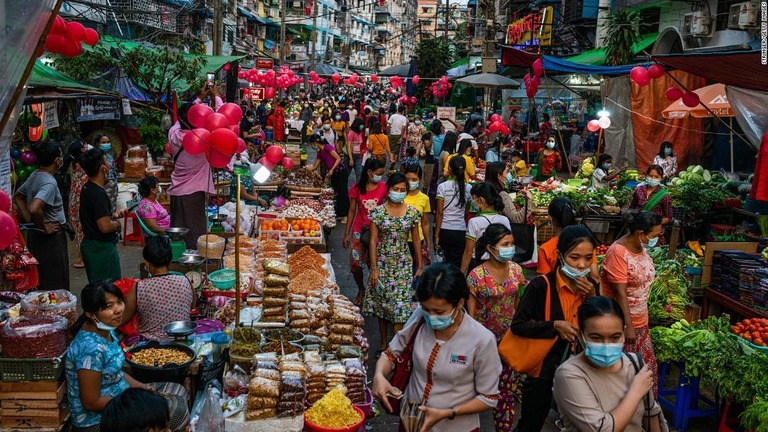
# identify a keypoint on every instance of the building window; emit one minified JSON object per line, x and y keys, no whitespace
{"x":723,"y":9}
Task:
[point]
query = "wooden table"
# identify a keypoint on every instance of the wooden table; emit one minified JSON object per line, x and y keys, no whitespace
{"x":715,"y":302}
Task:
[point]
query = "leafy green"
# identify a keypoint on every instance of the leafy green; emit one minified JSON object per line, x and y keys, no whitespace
{"x":697,"y":198}
{"x":755,"y":416}
{"x":701,"y":346}
{"x":668,"y":294}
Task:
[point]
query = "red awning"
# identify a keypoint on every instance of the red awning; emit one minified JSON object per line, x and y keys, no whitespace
{"x":511,"y":56}
{"x":738,"y":69}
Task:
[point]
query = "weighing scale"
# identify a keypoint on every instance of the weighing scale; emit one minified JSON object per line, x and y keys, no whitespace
{"x":178,"y":246}
{"x":216,"y":223}
{"x":180,"y":330}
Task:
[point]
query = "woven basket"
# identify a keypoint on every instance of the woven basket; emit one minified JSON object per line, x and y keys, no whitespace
{"x":304,"y":189}
{"x":544,"y":233}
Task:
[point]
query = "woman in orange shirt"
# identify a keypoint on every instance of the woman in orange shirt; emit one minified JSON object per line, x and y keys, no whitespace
{"x":569,"y":284}
{"x":561,"y":215}
{"x":378,"y":143}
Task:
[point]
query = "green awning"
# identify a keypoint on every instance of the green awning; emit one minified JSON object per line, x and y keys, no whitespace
{"x":46,"y":76}
{"x":596,"y":57}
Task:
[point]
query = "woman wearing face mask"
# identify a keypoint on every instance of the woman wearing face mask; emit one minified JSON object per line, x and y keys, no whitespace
{"x":328,"y":132}
{"x":151,"y":212}
{"x":416,"y":130}
{"x":487,"y":200}
{"x":438,"y":138}
{"x":389,"y":295}
{"x":451,"y":211}
{"x":103,"y":142}
{"x":333,"y":170}
{"x":493,"y":154}
{"x":549,"y":161}
{"x":94,"y":363}
{"x":628,"y":271}
{"x":603,"y":389}
{"x":455,"y":369}
{"x":603,"y":174}
{"x":378,"y":143}
{"x":364,"y":196}
{"x":78,"y":179}
{"x":160,"y":298}
{"x":493,"y":288}
{"x":498,"y":175}
{"x":339,"y":126}
{"x":521,"y":170}
{"x":419,"y":201}
{"x":652,"y":196}
{"x":561,"y":215}
{"x":465,"y":151}
{"x":667,"y":160}
{"x":356,"y":145}
{"x":450,"y":146}
{"x":568,"y":285}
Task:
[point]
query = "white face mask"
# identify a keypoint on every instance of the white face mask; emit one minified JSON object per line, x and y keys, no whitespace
{"x":101,"y":326}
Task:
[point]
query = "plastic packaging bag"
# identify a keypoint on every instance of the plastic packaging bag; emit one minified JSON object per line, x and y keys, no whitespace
{"x":60,"y":302}
{"x":211,"y":415}
{"x":40,"y":336}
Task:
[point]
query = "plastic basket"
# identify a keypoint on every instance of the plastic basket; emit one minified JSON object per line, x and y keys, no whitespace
{"x":43,"y":369}
{"x":693,"y":270}
{"x":209,"y":371}
{"x":679,"y":213}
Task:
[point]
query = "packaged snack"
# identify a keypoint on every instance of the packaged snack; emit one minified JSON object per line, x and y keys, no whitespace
{"x":342,"y":329}
{"x":263,"y":387}
{"x":272,"y":280}
{"x":274,"y":301}
{"x":275,"y":267}
{"x":261,"y":402}
{"x":259,"y":414}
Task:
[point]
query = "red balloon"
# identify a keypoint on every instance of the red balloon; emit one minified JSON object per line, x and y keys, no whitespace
{"x":226,"y":67}
{"x":196,"y":141}
{"x":495,"y":118}
{"x":72,"y":48}
{"x":59,"y":26}
{"x":269,"y":92}
{"x":224,"y":140}
{"x":639,"y":75}
{"x":55,"y":43}
{"x":216,"y":121}
{"x":673,"y":93}
{"x":5,"y":202}
{"x":538,"y":67}
{"x":197,"y":114}
{"x":656,"y":71}
{"x":416,"y":79}
{"x":504,"y":129}
{"x":527,"y":78}
{"x":91,"y":37}
{"x":217,"y":159}
{"x":691,"y":99}
{"x":374,"y":78}
{"x":274,"y":154}
{"x":643,"y":80}
{"x":232,"y":112}
{"x":535,"y":81}
{"x":75,"y":31}
{"x":287,"y":163}
{"x":530,"y":92}
{"x":495,"y":127}
{"x":264,"y":161}
{"x":7,"y":230}
{"x":240,"y":145}
{"x":235,"y":129}
{"x":593,"y":125}
{"x":242,"y":75}
{"x":335,"y":78}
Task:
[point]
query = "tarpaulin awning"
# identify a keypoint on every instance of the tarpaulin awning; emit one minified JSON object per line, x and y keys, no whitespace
{"x":713,"y":96}
{"x":737,"y":68}
{"x":46,"y":76}
{"x":598,"y":56}
{"x":247,"y":14}
{"x":399,"y":70}
{"x":511,"y":56}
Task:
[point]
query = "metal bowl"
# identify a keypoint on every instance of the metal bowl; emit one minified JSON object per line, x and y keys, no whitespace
{"x":180,"y":328}
{"x":191,"y":260}
{"x":217,"y":218}
{"x":177,"y":231}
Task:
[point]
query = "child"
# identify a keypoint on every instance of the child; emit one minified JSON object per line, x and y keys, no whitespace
{"x":519,"y":164}
{"x":409,"y":159}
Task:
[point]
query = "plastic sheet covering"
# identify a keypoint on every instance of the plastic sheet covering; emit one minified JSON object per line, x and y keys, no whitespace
{"x":22,"y":22}
{"x":620,"y":137}
{"x":749,"y":107}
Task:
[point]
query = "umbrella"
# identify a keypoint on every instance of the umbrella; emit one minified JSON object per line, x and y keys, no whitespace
{"x":324,"y":69}
{"x":713,"y":97}
{"x":489,"y":80}
{"x":399,"y":70}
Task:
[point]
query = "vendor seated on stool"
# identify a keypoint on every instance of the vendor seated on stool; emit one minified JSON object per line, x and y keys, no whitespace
{"x":94,"y":363}
{"x":160,"y":298}
{"x":246,"y":187}
{"x":155,"y":217}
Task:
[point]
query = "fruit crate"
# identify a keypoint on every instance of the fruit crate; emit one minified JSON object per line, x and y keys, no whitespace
{"x":42,"y":369}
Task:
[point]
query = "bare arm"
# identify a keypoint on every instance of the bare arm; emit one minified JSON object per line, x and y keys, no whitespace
{"x":417,"y":249}
{"x":467,"y":257}
{"x":153,"y":226}
{"x":438,"y":220}
{"x":21,"y":204}
{"x":432,"y":416}
{"x":426,"y":230}
{"x":107,"y":226}
{"x":472,"y":305}
{"x":90,"y":390}
{"x":131,"y":304}
{"x":621,"y":298}
{"x":374,"y":277}
{"x":36,"y":212}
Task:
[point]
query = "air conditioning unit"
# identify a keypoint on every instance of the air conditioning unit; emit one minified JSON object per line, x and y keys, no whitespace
{"x":697,"y":24}
{"x":271,"y":13}
{"x":743,"y":16}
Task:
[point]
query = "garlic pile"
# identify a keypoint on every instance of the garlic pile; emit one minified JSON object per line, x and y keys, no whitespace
{"x":300,"y":211}
{"x":328,"y":217}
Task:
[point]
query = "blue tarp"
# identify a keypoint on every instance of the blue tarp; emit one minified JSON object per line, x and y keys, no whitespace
{"x":248,"y":15}
{"x":554,"y":64}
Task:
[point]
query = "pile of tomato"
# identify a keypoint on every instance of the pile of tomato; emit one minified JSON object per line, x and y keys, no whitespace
{"x":754,"y":330}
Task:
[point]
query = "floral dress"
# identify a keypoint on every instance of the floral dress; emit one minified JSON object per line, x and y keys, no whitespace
{"x":111,"y":186}
{"x":390,"y":298}
{"x":495,"y":309}
{"x":79,"y":178}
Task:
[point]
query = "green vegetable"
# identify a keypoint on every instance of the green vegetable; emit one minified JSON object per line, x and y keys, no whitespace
{"x":668,"y":294}
{"x":701,"y":346}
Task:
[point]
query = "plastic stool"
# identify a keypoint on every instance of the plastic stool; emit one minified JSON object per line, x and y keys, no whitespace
{"x":687,"y":398}
{"x":136,"y":235}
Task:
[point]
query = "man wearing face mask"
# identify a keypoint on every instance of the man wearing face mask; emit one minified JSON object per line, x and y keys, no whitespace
{"x":306,"y":116}
{"x":39,"y":202}
{"x":100,"y":221}
{"x":549,"y":161}
{"x":104,"y":143}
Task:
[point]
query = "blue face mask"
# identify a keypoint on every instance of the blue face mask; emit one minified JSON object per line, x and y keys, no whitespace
{"x":506,"y":254}
{"x":413,"y":185}
{"x":651,"y":242}
{"x":574,"y":273}
{"x":376,"y":178}
{"x":105,"y":146}
{"x":668,"y":151}
{"x":101,"y":326}
{"x":652,"y":182}
{"x":509,"y":177}
{"x":606,"y":166}
{"x":604,"y":354}
{"x":397,"y":197}
{"x":438,"y":322}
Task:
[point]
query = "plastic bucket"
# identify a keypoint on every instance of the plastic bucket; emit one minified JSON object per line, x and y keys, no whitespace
{"x":366,"y":407}
{"x":309,"y":426}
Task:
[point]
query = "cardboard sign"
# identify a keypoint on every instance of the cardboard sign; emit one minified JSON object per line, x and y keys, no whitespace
{"x":447,"y":113}
{"x":51,"y":118}
{"x":89,"y":108}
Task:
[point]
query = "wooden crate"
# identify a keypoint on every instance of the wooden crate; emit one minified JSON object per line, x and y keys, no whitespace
{"x":32,"y":405}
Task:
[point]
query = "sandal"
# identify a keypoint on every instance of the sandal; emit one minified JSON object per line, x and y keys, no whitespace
{"x":78,"y":265}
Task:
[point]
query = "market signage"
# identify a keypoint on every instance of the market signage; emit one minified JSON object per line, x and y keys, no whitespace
{"x":257,"y":93}
{"x":89,"y":109}
{"x":533,"y":29}
{"x":265,"y":63}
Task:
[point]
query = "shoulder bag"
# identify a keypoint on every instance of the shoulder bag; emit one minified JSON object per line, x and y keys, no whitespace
{"x":526,"y":355}
{"x":525,"y":238}
{"x":637,"y":364}
{"x":403,"y":369}
{"x":655,"y":199}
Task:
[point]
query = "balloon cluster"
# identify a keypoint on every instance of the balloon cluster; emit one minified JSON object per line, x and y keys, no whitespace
{"x":642,"y":76}
{"x":532,"y":82}
{"x":67,"y":38}
{"x":497,"y":125}
{"x":24,"y":164}
{"x":354,"y":81}
{"x":335,"y":78}
{"x":690,"y":99}
{"x":215,"y":133}
{"x":315,"y":79}
{"x":409,"y":101}
{"x":441,"y":88}
{"x":374,"y":78}
{"x":274,"y":156}
{"x":396,"y":82}
{"x":287,"y":78}
{"x":7,"y":223}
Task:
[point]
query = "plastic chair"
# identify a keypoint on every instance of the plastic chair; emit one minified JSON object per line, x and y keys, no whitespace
{"x":144,"y":227}
{"x":136,"y":234}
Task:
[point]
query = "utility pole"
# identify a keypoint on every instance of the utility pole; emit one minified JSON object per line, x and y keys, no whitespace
{"x":489,"y":47}
{"x":447,"y":12}
{"x":218,"y":26}
{"x":437,"y":14}
{"x":314,"y":37}
{"x":282,"y":31}
{"x":347,"y":47}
